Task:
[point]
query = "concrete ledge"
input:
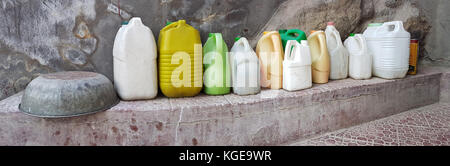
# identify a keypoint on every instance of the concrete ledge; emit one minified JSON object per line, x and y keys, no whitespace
{"x":270,"y":118}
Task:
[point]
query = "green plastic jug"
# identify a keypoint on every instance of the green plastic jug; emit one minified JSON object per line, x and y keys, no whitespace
{"x":291,"y":34}
{"x":217,"y":76}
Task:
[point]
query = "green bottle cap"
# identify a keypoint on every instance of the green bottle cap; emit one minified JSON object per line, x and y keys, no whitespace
{"x":237,"y":38}
{"x":352,"y":34}
{"x":124,"y":22}
{"x":168,"y":23}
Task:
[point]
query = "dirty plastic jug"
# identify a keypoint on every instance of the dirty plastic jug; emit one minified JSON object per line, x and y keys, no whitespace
{"x":270,"y":52}
{"x":217,"y":76}
{"x":389,"y":43}
{"x":180,"y":61}
{"x":338,"y":53}
{"x":360,"y":63}
{"x":291,"y":34}
{"x":245,"y":74}
{"x":319,"y":57}
{"x":297,"y":66}
{"x":135,"y":69}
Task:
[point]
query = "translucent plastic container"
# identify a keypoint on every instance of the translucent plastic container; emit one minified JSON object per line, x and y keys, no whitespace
{"x":244,"y":68}
{"x":338,"y":53}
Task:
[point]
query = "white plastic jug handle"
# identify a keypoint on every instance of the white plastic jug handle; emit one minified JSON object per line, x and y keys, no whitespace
{"x":135,"y":21}
{"x":397,"y":24}
{"x":337,"y":36}
{"x":247,"y":46}
{"x":361,"y":42}
{"x":288,"y":51}
{"x":219,"y":44}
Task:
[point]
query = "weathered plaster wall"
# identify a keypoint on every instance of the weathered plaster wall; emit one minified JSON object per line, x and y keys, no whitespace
{"x":42,"y":36}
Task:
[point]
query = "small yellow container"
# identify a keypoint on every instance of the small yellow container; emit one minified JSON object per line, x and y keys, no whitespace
{"x":180,"y":60}
{"x":414,"y":56}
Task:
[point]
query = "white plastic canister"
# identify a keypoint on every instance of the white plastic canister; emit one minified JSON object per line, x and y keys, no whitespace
{"x":389,"y":43}
{"x":297,"y":66}
{"x":135,"y":70}
{"x":245,"y":72}
{"x":338,"y":53}
{"x":360,"y":60}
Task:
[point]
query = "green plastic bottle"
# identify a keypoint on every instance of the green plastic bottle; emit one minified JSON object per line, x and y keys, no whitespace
{"x":291,"y":34}
{"x":217,"y":76}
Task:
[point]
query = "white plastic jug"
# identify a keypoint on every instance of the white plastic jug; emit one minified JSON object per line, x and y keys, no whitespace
{"x":338,"y":53}
{"x":245,"y":72}
{"x":389,"y":43}
{"x":360,"y":61}
{"x":297,"y":66}
{"x":135,"y":70}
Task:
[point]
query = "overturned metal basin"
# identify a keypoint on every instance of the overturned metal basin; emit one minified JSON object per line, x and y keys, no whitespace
{"x":68,"y":94}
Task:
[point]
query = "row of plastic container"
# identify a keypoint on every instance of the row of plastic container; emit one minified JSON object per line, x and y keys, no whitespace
{"x":284,"y":59}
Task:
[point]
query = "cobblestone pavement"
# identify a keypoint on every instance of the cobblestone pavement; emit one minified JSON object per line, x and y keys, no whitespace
{"x":426,"y":126}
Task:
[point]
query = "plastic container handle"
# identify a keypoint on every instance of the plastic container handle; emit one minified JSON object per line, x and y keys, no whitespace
{"x":276,"y":42}
{"x":397,"y":24}
{"x":288,"y":52}
{"x":295,"y":31}
{"x":246,"y":44}
{"x":322,"y":42}
{"x":338,"y":38}
{"x":219,"y":43}
{"x":363,"y":43}
{"x":135,"y":21}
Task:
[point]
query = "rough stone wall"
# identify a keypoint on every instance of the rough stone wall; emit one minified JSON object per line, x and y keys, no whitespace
{"x":42,"y":36}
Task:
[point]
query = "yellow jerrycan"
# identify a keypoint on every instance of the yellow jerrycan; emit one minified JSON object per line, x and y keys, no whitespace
{"x":270,"y":53}
{"x":180,"y":60}
{"x":320,"y":57}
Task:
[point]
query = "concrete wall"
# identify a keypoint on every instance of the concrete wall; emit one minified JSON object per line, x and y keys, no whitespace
{"x":42,"y":36}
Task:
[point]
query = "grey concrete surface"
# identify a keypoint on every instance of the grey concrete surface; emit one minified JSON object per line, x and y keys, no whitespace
{"x":273,"y":117}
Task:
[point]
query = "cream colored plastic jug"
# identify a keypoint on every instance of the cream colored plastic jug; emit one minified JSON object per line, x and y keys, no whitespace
{"x":319,"y":57}
{"x":360,"y":64}
{"x":389,"y":43}
{"x":135,"y":69}
{"x":297,"y":66}
{"x":270,"y":53}
{"x":338,"y":53}
{"x":244,"y":68}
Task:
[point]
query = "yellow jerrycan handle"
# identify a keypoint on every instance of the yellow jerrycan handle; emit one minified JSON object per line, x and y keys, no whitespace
{"x":276,"y":42}
{"x":323,"y":49}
